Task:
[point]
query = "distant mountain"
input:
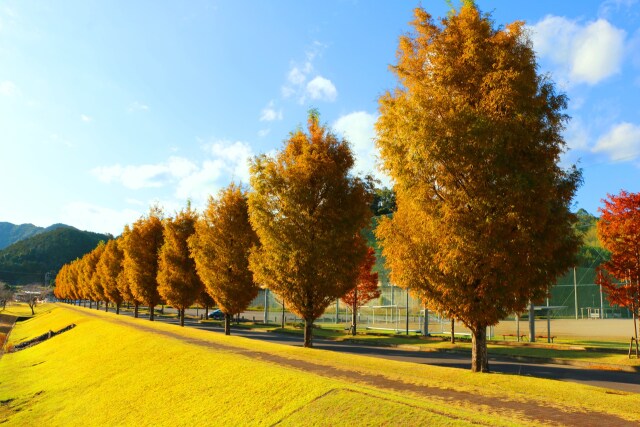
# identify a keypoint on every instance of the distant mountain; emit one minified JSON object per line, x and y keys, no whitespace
{"x":11,"y":233}
{"x":28,"y":260}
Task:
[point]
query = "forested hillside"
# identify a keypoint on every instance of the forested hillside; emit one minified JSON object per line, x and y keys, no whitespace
{"x":28,"y":260}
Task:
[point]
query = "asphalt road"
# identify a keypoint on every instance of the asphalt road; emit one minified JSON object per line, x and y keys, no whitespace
{"x":616,"y":380}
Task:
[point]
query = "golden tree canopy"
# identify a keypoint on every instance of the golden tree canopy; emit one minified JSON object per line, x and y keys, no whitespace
{"x":472,"y":139}
{"x":308,"y":212}
{"x":178,"y":282}
{"x":108,"y":269}
{"x":221,"y":246}
{"x":141,"y":245}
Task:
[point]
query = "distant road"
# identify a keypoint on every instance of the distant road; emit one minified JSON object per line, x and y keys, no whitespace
{"x":617,"y":380}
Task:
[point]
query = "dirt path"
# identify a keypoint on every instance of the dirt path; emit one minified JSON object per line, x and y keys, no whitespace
{"x":529,"y":410}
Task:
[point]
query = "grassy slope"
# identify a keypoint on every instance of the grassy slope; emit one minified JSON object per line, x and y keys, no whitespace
{"x":105,"y":373}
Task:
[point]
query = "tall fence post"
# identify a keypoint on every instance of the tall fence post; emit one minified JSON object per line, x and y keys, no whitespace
{"x":575,"y":290}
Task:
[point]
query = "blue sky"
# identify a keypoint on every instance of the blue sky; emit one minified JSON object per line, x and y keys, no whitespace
{"x":109,"y":106}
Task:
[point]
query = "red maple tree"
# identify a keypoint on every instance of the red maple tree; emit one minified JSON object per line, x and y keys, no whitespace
{"x":365,"y":290}
{"x":619,"y":232}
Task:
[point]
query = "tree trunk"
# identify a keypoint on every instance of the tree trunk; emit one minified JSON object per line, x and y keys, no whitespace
{"x":354,"y":317}
{"x":227,"y":324}
{"x":182,"y":317}
{"x":479,"y":360}
{"x":308,"y":333}
{"x":97,"y":305}
{"x":106,"y":306}
{"x":118,"y":308}
{"x":90,"y":304}
{"x":31,"y":307}
{"x":206,"y":312}
{"x":453,"y":331}
{"x":135,"y":310}
{"x":152,"y":312}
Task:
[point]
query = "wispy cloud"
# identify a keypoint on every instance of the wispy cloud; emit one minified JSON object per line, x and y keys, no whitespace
{"x":269,"y":113}
{"x":581,"y":52}
{"x":86,"y":118}
{"x":146,"y":176}
{"x":223,"y":161}
{"x":9,"y":88}
{"x":299,"y":81}
{"x":621,"y":143}
{"x":137,"y":106}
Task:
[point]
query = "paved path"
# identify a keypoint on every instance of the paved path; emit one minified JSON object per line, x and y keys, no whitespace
{"x":530,"y":411}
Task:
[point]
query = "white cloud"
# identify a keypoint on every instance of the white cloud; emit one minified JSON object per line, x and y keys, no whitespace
{"x":270,"y":114}
{"x":136,"y":177}
{"x":85,"y":118}
{"x":584,"y":53}
{"x":321,"y":89}
{"x":296,"y":82}
{"x":621,"y":143}
{"x":609,"y":7}
{"x":137,"y":106}
{"x":8,"y":88}
{"x":263,"y":132}
{"x":358,"y":129}
{"x":224,"y":161}
{"x":235,"y":156}
{"x":296,"y":76}
{"x":87,"y":216}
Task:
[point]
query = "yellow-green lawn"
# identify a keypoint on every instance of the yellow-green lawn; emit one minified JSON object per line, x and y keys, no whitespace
{"x":108,"y":372}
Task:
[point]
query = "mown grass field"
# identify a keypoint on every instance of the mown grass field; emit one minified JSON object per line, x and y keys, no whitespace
{"x":106,"y":372}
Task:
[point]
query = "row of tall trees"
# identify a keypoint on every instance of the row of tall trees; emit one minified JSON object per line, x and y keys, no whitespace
{"x":298,"y":233}
{"x":471,"y":137}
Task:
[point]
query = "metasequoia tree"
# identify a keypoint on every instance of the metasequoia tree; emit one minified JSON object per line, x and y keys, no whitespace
{"x":122,"y":281}
{"x":91,"y":286}
{"x":308,"y":212}
{"x":95,"y":283}
{"x":619,"y":232}
{"x":366,"y":288}
{"x":472,"y":139}
{"x":141,"y":245}
{"x":108,"y":269}
{"x":178,"y":282}
{"x":221,"y":246}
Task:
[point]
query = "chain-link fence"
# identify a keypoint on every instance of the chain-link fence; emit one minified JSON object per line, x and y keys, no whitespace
{"x":575,"y":295}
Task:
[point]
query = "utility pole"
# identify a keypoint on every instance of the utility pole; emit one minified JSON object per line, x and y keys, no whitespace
{"x":266,"y":306}
{"x":407,"y":329}
{"x":425,"y":326}
{"x":575,"y":290}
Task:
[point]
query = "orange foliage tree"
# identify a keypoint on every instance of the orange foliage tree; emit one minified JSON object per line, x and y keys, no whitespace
{"x":108,"y":269}
{"x":308,"y":212}
{"x":141,"y":245}
{"x":88,"y":276}
{"x":221,"y":246}
{"x":178,"y":282}
{"x":366,"y":288}
{"x":472,"y":138}
{"x":619,"y":232}
{"x":122,"y":282}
